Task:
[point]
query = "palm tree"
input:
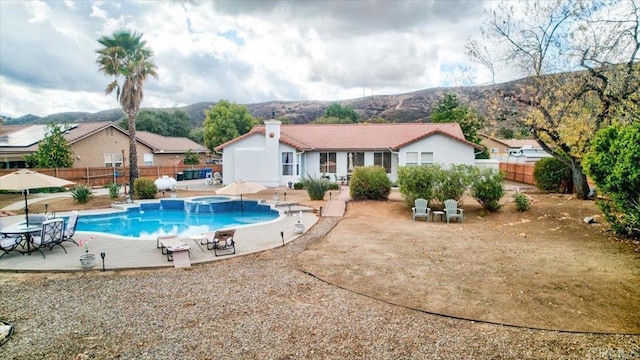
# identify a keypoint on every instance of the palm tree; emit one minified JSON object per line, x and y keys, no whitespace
{"x":126,"y":56}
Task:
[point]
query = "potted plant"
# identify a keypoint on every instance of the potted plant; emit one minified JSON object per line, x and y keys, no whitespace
{"x":87,"y":261}
{"x":298,"y":228}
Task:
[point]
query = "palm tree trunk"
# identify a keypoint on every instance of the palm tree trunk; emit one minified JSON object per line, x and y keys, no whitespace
{"x":133,"y":152}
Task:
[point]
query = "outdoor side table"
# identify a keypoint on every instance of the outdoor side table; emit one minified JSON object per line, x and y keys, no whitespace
{"x":437,"y":213}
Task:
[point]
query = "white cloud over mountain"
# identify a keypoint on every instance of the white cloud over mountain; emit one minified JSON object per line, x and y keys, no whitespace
{"x":243,"y":51}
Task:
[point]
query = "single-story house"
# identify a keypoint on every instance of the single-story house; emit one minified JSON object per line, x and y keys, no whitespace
{"x":96,"y":144}
{"x":274,"y":154}
{"x":502,"y":148}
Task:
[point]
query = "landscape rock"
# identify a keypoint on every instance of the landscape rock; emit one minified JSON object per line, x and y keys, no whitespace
{"x":589,"y":220}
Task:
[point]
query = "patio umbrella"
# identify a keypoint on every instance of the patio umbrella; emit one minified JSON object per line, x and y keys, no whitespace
{"x":25,"y":179}
{"x":240,"y":188}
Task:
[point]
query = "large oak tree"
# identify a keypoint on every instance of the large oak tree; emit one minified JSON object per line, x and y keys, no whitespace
{"x":582,"y":60}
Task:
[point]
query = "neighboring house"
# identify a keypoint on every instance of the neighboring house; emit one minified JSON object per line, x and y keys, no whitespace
{"x":503,"y":148}
{"x":274,"y":155}
{"x":96,"y":144}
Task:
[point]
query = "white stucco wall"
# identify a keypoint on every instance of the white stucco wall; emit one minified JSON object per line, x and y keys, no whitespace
{"x":229,"y":166}
{"x":445,"y":150}
{"x":257,"y":159}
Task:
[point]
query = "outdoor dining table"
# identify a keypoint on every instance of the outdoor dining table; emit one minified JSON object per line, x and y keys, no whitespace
{"x":24,"y":231}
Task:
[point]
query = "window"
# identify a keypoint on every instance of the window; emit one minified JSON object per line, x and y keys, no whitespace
{"x":412,"y":159}
{"x":287,"y":163}
{"x":109,"y":131}
{"x":327,"y":162}
{"x":426,"y":158}
{"x":113,"y":160}
{"x":494,"y":150}
{"x":354,"y":159}
{"x":382,"y":159}
{"x":148,"y":159}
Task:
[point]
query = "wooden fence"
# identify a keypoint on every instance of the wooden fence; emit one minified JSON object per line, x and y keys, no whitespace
{"x":101,"y":176}
{"x":518,"y":172}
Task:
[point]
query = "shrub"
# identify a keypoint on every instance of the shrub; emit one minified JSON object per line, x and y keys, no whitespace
{"x":114,"y":188}
{"x":316,"y":188}
{"x":551,"y":174}
{"x":144,"y":188}
{"x":453,"y":182}
{"x":612,"y":163}
{"x":417,"y":182}
{"x":81,"y":193}
{"x":298,"y":186}
{"x":191,"y":158}
{"x":370,"y":182}
{"x":487,"y":189}
{"x":522,"y":202}
{"x":334,"y":186}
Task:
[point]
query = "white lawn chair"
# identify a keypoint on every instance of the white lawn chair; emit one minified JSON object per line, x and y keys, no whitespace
{"x":452,"y":211}
{"x":420,"y":209}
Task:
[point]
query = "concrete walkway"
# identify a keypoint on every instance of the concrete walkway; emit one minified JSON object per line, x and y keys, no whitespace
{"x":121,"y":253}
{"x":338,"y":205}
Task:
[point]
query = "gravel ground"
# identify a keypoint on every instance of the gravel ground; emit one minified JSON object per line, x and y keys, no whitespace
{"x":253,"y":307}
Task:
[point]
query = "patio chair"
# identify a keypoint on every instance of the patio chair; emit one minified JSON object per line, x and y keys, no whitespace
{"x":50,"y":236}
{"x":170,"y":244}
{"x":9,"y":242}
{"x":452,"y":211}
{"x":70,"y":227}
{"x":420,"y":209}
{"x":222,"y":240}
{"x":36,"y":219}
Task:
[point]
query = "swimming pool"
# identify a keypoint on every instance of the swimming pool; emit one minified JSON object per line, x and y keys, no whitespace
{"x":182,"y":217}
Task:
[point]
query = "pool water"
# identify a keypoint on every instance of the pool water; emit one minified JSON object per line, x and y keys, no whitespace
{"x":150,"y":222}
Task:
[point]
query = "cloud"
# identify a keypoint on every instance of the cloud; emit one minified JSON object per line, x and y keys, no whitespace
{"x":243,"y":51}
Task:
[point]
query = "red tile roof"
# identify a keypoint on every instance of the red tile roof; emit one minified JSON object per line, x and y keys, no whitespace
{"x":357,"y":136}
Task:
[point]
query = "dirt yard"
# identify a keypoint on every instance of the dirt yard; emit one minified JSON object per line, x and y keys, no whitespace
{"x":544,"y":268}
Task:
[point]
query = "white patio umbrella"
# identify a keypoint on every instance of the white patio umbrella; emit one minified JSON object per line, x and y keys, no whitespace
{"x":25,"y":179}
{"x":240,"y":188}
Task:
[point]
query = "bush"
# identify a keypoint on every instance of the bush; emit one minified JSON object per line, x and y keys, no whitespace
{"x":298,"y":186}
{"x":370,"y":182}
{"x":334,"y":186}
{"x":522,"y":202}
{"x":417,"y":182}
{"x":551,"y":174}
{"x":114,"y":189}
{"x":316,"y":188}
{"x":81,"y":193}
{"x":144,"y":188}
{"x":612,"y":163}
{"x":487,"y":189}
{"x":453,"y":182}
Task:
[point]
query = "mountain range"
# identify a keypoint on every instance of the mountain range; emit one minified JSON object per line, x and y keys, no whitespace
{"x":407,"y":107}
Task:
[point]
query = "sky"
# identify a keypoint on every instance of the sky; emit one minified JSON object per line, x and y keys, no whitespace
{"x":242,"y":51}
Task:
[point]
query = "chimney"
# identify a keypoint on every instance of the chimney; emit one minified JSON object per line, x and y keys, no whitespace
{"x":272,"y":131}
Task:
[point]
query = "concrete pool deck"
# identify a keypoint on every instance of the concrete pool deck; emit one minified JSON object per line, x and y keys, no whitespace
{"x":123,"y":254}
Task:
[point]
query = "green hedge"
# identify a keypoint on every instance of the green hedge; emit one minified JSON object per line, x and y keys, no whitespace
{"x":553,"y":175}
{"x":144,"y":188}
{"x":370,"y":182}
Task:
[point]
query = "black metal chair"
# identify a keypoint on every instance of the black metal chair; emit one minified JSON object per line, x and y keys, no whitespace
{"x":51,"y":235}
